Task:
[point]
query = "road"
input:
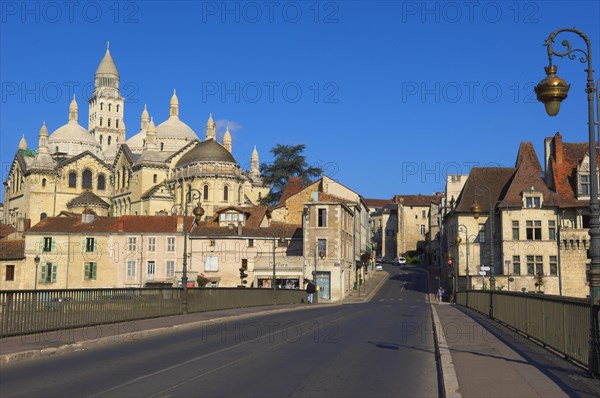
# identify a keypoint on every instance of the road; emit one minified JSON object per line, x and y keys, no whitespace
{"x":383,"y":348}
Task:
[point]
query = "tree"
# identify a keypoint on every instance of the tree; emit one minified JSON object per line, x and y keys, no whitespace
{"x":288,"y":163}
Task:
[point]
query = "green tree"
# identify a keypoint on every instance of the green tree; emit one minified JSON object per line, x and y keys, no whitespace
{"x":288,"y":163}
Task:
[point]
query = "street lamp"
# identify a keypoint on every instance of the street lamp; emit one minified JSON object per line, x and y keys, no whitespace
{"x":457,"y":241}
{"x":281,"y":243}
{"x":552,"y":91}
{"x":198,"y":212}
{"x":36,"y":260}
{"x":476,"y":211}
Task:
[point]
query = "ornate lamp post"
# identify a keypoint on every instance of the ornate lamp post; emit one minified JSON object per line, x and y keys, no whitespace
{"x":552,"y":91}
{"x":36,"y":260}
{"x":476,"y":211}
{"x":198,"y":212}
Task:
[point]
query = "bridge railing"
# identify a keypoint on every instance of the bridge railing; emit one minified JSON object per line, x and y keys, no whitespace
{"x":31,"y":311}
{"x":558,"y":322}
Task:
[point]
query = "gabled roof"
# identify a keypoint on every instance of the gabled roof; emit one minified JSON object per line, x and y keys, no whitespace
{"x":528,"y":175}
{"x":481,"y":183}
{"x":6,"y":230}
{"x":326,"y":197}
{"x":87,"y":199}
{"x":12,"y":249}
{"x":72,"y":225}
{"x":152,"y":191}
{"x":417,"y":200}
{"x":254,"y":215}
{"x":293,"y":186}
{"x":65,"y":161}
{"x":378,"y":202}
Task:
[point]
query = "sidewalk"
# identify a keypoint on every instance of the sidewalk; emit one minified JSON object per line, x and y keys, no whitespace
{"x":30,"y":346}
{"x":482,"y":358}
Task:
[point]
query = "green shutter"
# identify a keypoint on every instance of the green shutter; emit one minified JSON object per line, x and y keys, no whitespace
{"x":53,"y":270}
{"x":41,"y":247}
{"x":95,"y":245}
{"x":94,"y":270}
{"x":86,"y":271}
{"x":83,"y":245}
{"x":53,"y":245}
{"x":43,"y":275}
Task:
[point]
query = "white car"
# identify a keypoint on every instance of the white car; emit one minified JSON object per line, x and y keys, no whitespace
{"x":378,"y":267}
{"x":401,"y":260}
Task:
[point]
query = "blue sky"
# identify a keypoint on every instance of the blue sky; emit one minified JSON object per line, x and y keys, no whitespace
{"x":388,"y":97}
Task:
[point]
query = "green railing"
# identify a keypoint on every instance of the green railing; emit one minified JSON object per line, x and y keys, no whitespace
{"x":30,"y":311}
{"x":561,"y":323}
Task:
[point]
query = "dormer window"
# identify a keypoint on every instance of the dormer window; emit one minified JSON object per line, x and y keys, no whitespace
{"x":532,"y":199}
{"x":584,"y":184}
{"x":231,"y":217}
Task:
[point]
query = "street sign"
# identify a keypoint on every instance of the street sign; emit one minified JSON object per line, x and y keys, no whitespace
{"x":484,"y":268}
{"x":482,"y":273}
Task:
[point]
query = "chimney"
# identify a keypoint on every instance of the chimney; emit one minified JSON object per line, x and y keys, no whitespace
{"x":179,"y":223}
{"x":558,"y":149}
{"x":120,"y":225}
{"x":239,"y":229}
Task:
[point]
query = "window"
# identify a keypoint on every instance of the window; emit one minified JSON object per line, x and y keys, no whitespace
{"x":553,"y":265}
{"x":534,"y":230}
{"x":206,"y":192}
{"x":245,"y":263}
{"x":152,"y":244}
{"x":100,"y":121}
{"x":515,"y":230}
{"x":131,"y":243}
{"x":584,"y":184}
{"x":89,"y":272}
{"x":48,"y":245}
{"x":42,"y":216}
{"x":530,"y":265}
{"x":532,"y":202}
{"x":250,"y":242}
{"x":162,"y":146}
{"x":118,"y":108}
{"x":117,"y":126}
{"x":72,"y":179}
{"x":101,"y":105}
{"x":422,"y":229}
{"x":171,"y":244}
{"x":552,"y":230}
{"x":151,"y":268}
{"x":322,"y":218}
{"x":211,"y":263}
{"x":322,"y":248}
{"x":86,"y":179}
{"x":108,"y":125}
{"x":155,"y":178}
{"x":131,"y":267}
{"x":225,"y":193}
{"x":424,"y":214}
{"x":101,"y":137}
{"x":109,"y":107}
{"x":43,"y":183}
{"x":516,"y":265}
{"x":109,"y":139}
{"x":481,"y":234}
{"x":48,"y":273}
{"x":170,"y":268}
{"x":101,"y":182}
{"x":90,"y":245}
{"x":535,"y":264}
{"x":10,"y":273}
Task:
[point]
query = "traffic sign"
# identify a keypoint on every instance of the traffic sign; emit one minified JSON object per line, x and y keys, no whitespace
{"x":482,"y":273}
{"x":484,"y":268}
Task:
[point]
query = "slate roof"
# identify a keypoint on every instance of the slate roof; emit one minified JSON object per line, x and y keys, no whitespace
{"x":12,"y":249}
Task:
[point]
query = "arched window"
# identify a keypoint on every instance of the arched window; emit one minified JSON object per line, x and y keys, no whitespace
{"x":117,"y":123}
{"x":86,"y":179}
{"x":162,"y":146}
{"x":108,"y":125}
{"x":72,"y":179}
{"x":43,"y":183}
{"x":42,"y":216}
{"x":206,"y":192}
{"x":155,"y":178}
{"x":118,"y":179}
{"x":118,"y":107}
{"x":101,"y":107}
{"x":101,"y":182}
{"x":101,"y":140}
{"x":100,"y":121}
{"x":109,"y":108}
{"x":108,"y":141}
{"x":123,"y":177}
{"x":225,"y":193}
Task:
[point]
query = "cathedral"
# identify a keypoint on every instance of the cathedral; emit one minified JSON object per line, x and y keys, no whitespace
{"x":99,"y":168}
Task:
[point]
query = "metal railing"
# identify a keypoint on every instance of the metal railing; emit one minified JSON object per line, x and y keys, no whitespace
{"x":561,"y":323}
{"x":30,"y":311}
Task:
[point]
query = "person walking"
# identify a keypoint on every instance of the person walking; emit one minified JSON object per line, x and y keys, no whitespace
{"x":310,"y":289}
{"x":440,"y":295}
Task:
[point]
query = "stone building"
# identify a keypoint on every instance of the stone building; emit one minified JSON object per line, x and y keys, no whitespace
{"x":74,"y":168}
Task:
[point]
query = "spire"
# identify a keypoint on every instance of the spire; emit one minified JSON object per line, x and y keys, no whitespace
{"x":227,"y":140}
{"x":174,"y":106}
{"x":23,"y":143}
{"x":151,"y":135}
{"x":145,"y":117}
{"x":254,"y":159}
{"x":107,"y":65}
{"x":211,"y":128}
{"x":43,"y":139}
{"x":73,"y":110}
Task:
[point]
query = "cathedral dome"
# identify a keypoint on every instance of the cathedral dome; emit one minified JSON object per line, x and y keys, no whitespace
{"x":175,"y":128}
{"x":107,"y":65}
{"x":72,"y":138}
{"x":206,"y":151}
{"x":136,"y":143}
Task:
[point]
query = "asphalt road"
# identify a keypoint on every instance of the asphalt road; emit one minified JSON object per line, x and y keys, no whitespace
{"x":383,"y":348}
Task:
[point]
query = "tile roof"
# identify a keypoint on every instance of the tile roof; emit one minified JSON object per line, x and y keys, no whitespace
{"x":293,"y":186}
{"x":327,"y":197}
{"x":6,"y":230}
{"x":378,"y":202}
{"x":87,"y":198}
{"x":254,"y":215}
{"x":150,"y":224}
{"x":12,"y":249}
{"x":275,"y":230}
{"x":528,"y":175}
{"x":106,"y":225}
{"x":417,"y":200}
{"x":496,"y":179}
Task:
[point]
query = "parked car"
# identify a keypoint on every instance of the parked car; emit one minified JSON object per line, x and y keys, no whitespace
{"x":378,"y":267}
{"x":401,"y":260}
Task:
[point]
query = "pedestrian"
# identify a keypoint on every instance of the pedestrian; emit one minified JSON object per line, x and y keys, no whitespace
{"x":440,"y":294}
{"x":310,"y":289}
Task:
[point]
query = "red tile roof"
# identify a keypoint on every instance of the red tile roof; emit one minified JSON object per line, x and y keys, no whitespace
{"x":480,"y":180}
{"x":417,"y":200}
{"x":378,"y":202}
{"x":12,"y":249}
{"x":126,"y":224}
{"x":293,"y":186}
{"x":275,"y":230}
{"x":150,"y":224}
{"x":6,"y":230}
